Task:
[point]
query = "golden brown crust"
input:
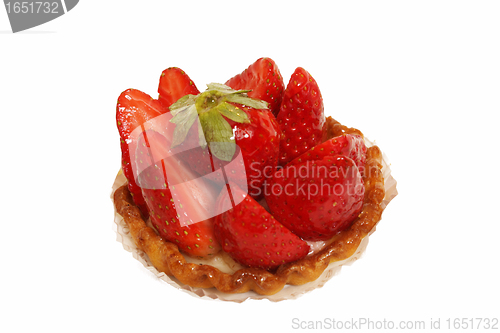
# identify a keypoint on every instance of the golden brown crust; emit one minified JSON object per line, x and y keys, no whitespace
{"x":165,"y":256}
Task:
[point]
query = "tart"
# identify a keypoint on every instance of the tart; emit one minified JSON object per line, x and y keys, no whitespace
{"x":225,"y":274}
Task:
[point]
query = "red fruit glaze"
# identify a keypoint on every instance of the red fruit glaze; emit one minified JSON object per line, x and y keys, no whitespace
{"x":301,"y":116}
{"x":264,"y":79}
{"x":316,"y":199}
{"x":252,"y":237}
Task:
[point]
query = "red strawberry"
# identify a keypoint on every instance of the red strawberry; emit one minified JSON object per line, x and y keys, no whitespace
{"x":174,"y":84}
{"x":348,"y":145}
{"x":316,"y":199}
{"x":251,"y":236}
{"x":181,"y":207}
{"x":264,"y":79}
{"x":133,"y":109}
{"x":259,"y":144}
{"x":301,"y":116}
{"x":243,"y":136}
{"x":134,"y":189}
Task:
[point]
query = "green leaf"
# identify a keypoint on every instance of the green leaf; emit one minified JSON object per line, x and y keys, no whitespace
{"x":201,"y":136}
{"x":232,"y":112}
{"x":226,"y":90}
{"x":223,"y":150}
{"x":220,"y":88}
{"x":210,"y":106}
{"x":251,"y":102}
{"x":183,"y":120}
{"x":218,"y":134}
{"x":182,"y":104}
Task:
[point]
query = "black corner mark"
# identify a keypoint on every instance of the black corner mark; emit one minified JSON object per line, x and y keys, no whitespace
{"x":24,"y":15}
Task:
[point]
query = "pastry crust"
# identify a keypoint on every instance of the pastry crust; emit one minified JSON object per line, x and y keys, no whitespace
{"x":166,"y":257}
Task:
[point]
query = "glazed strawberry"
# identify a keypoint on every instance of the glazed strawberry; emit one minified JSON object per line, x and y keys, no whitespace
{"x":174,"y":84}
{"x":316,"y":199}
{"x":133,"y":109}
{"x":352,"y":146}
{"x":251,"y":236}
{"x":264,"y":80}
{"x":259,"y":144}
{"x":181,"y":206}
{"x":242,"y":135}
{"x":135,"y":190}
{"x":301,"y":116}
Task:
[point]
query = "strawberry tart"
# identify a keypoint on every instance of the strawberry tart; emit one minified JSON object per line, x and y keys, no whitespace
{"x":245,"y":188}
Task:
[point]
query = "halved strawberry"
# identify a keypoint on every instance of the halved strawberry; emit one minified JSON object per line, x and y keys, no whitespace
{"x":133,"y":109}
{"x":174,"y":84}
{"x":181,"y":206}
{"x":352,"y":146}
{"x":134,"y":189}
{"x":251,"y":236}
{"x":301,"y":116}
{"x":316,"y":198}
{"x":264,"y":79}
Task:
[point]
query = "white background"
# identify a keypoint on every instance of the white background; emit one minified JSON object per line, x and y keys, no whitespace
{"x":421,"y":78}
